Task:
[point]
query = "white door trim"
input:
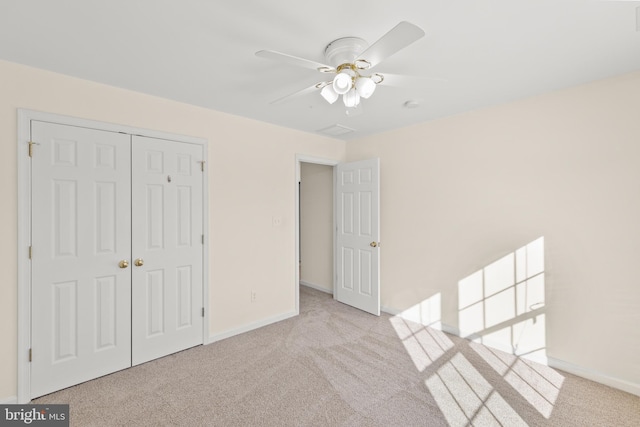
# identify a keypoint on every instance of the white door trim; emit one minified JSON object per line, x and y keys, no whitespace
{"x":24,"y":225}
{"x":301,"y":158}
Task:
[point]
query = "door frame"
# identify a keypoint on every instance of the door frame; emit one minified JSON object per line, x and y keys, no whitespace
{"x":301,"y":158}
{"x":24,"y":225}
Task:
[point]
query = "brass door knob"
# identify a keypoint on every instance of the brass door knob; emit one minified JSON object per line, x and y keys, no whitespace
{"x":139,"y":262}
{"x":123,"y":264}
{"x":373,"y":244}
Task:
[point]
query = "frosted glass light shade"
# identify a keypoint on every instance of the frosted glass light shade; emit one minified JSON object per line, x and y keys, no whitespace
{"x":342,"y":83}
{"x":365,"y":87}
{"x":329,"y":94}
{"x":351,"y":98}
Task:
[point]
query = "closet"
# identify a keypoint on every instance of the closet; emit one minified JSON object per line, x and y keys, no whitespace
{"x":116,"y":251}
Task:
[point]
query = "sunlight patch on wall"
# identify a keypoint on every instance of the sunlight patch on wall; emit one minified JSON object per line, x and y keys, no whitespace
{"x":537,"y":384}
{"x":502,"y":305}
{"x":414,"y":327}
{"x":465,"y":397}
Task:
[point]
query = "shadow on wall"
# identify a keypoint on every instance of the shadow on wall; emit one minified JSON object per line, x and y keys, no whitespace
{"x":500,"y":306}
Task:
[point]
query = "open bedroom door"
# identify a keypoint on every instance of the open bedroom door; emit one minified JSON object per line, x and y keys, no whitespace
{"x":358,"y":234}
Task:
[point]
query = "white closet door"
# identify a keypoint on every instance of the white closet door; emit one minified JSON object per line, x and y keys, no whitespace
{"x":167,"y":240}
{"x":81,"y":206}
{"x":358,"y":234}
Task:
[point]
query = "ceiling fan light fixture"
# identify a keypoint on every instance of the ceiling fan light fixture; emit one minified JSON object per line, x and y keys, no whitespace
{"x":342,"y":83}
{"x":351,"y":99}
{"x":365,"y":87}
{"x":329,"y":94}
{"x":377,"y":78}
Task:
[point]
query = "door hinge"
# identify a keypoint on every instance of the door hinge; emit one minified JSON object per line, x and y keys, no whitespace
{"x":30,"y":355}
{"x":202,"y":240}
{"x":30,"y":251}
{"x":202,"y":311}
{"x":31,"y":144}
{"x":202,"y":165}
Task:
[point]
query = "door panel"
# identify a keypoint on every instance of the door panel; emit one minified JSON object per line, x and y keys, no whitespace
{"x":81,"y":205}
{"x":358,"y":228}
{"x":167,"y":235}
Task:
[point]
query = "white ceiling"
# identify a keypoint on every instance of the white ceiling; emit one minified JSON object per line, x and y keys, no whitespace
{"x":202,"y":52}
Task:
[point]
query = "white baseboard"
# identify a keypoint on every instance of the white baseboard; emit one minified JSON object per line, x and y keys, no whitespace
{"x":389,"y":310}
{"x":249,"y":327}
{"x":589,"y":374}
{"x":9,"y":400}
{"x":449,"y":329}
{"x":592,"y":375}
{"x":439,"y":325}
{"x":316,"y":287}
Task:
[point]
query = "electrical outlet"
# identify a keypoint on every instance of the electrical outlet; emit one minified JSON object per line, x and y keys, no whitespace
{"x":253,"y":296}
{"x":276,"y":221}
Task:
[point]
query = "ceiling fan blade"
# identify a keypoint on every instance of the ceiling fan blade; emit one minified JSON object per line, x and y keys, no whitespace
{"x":299,"y":93}
{"x":399,"y":80}
{"x":399,"y":37}
{"x":294,"y":60}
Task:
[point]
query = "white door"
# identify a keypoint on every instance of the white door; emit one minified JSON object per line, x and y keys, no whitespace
{"x":358,"y":234}
{"x":94,"y":309}
{"x":81,"y":222}
{"x":167,"y":241}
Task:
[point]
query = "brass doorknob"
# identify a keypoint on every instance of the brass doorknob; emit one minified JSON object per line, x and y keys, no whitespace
{"x":139,"y":262}
{"x":124,"y":263}
{"x":373,"y":244}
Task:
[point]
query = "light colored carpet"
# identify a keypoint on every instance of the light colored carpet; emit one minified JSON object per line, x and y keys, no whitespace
{"x":337,"y":366}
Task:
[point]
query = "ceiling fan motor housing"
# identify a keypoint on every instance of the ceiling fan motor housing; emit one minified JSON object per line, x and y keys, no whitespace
{"x":344,"y":50}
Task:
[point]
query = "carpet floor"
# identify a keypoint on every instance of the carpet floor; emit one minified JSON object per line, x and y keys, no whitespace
{"x":334,"y":365}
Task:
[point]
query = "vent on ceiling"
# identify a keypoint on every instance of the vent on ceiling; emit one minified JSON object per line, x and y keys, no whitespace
{"x":335,"y":130}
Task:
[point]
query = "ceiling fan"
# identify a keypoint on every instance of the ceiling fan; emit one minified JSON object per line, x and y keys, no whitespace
{"x":350,"y":60}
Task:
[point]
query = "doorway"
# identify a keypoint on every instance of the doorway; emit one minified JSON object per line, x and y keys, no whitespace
{"x":316,"y":226}
{"x":311,"y":162}
{"x":355,"y":231}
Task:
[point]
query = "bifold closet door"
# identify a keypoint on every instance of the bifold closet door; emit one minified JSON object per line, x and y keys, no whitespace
{"x":117,"y":247}
{"x":167,"y":247}
{"x":81,"y":225}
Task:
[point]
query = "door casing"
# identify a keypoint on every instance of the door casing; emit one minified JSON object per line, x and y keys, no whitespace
{"x":24,"y":225}
{"x":301,"y":158}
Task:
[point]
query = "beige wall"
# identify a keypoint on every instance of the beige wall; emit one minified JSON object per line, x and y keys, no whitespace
{"x":457,"y":195}
{"x":460,"y":193}
{"x":316,"y":225}
{"x":252,"y":179}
